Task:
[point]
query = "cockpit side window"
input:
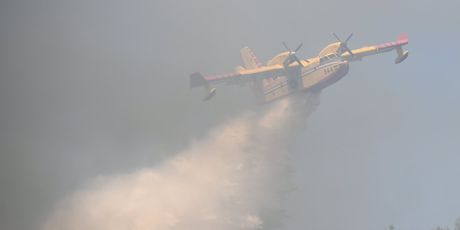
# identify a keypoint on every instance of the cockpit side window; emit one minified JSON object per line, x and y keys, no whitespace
{"x":327,"y":58}
{"x":331,"y":56}
{"x":323,"y":59}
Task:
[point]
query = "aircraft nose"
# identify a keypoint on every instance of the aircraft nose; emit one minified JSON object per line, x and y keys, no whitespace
{"x":343,"y":67}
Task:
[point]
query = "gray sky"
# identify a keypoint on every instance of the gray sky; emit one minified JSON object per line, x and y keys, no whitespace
{"x":91,"y":88}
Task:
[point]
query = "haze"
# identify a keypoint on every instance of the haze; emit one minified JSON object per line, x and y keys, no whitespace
{"x":91,"y":88}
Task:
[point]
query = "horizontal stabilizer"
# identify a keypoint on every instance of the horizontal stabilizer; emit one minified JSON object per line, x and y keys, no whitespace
{"x":196,"y":80}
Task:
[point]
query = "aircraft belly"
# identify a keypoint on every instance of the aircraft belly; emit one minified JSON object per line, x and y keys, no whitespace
{"x":311,"y":79}
{"x":275,"y":88}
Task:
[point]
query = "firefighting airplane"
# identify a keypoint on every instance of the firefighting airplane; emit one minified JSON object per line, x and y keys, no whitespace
{"x":286,"y":74}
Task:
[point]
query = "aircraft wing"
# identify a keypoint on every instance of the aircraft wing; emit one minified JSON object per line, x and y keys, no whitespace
{"x":358,"y":54}
{"x":270,"y":82}
{"x":238,"y":77}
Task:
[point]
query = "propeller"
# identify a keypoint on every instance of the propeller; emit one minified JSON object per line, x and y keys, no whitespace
{"x":292,"y":57}
{"x":343,"y":45}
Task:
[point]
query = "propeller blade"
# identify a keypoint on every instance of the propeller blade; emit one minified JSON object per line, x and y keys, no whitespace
{"x":336,"y":37}
{"x":292,"y":57}
{"x":349,"y":37}
{"x":298,"y":47}
{"x":343,"y":45}
{"x":298,"y":61}
{"x":287,"y":61}
{"x":349,"y":50}
{"x":346,"y":45}
{"x":285,"y":46}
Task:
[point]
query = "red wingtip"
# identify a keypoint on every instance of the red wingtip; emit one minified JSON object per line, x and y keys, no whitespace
{"x":403,"y":38}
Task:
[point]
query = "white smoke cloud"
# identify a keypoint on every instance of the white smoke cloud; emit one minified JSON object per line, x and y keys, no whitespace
{"x":230,"y":180}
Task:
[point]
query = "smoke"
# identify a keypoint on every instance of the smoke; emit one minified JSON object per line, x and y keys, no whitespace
{"x":233,"y":179}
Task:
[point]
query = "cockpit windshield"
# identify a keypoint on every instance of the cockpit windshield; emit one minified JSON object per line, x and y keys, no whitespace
{"x":328,"y":58}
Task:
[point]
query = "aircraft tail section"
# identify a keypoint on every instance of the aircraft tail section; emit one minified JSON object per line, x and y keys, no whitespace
{"x":196,"y":80}
{"x":250,"y":60}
